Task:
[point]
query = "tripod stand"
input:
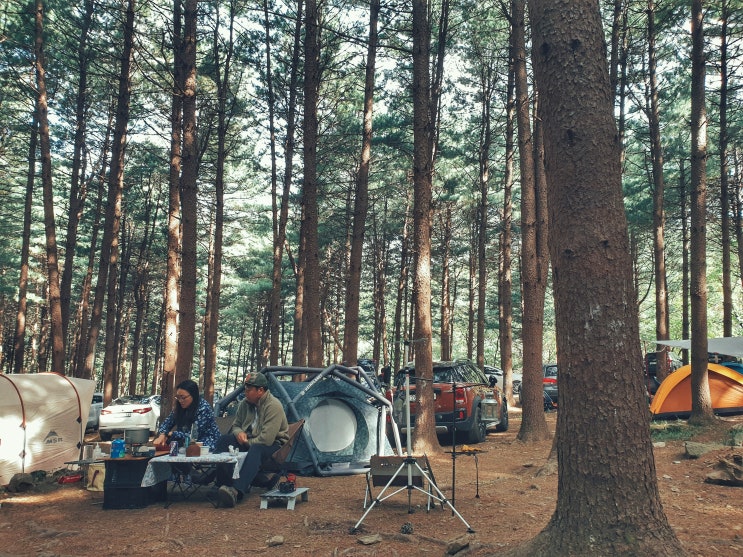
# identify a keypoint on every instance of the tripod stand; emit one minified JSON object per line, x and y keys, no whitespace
{"x":412,"y":468}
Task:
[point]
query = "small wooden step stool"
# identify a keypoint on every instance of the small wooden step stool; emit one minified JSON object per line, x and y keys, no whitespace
{"x":290,"y":497}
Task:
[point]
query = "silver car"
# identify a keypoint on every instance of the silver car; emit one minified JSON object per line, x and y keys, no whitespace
{"x":94,"y":413}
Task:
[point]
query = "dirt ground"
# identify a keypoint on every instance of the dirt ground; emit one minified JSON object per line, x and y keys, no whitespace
{"x":513,"y":505}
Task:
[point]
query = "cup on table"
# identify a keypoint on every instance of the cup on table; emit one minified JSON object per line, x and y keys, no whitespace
{"x":204,"y":451}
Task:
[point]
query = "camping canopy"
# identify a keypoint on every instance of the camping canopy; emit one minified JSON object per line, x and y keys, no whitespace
{"x":42,"y":421}
{"x":673,"y":398}
{"x":730,"y":346}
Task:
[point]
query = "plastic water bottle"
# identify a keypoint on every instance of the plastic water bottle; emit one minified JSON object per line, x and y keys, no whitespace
{"x":195,"y":432}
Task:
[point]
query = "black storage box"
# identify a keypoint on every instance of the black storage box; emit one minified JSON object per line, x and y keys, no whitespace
{"x":133,"y":497}
{"x":122,"y":486}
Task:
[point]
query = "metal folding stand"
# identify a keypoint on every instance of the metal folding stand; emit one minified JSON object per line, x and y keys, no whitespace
{"x":411,"y":467}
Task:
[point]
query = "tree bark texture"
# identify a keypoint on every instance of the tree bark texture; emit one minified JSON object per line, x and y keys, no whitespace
{"x":727,"y":287}
{"x":659,"y":215}
{"x":361,"y":198}
{"x":19,"y":344}
{"x":173,"y":273}
{"x":189,"y":199}
{"x":212,"y":315}
{"x":505,"y":280}
{"x":312,"y":311}
{"x":283,"y":209}
{"x":113,"y":225}
{"x":77,"y":186}
{"x":534,"y":256}
{"x":424,"y":438}
{"x":701,"y":401}
{"x":52,"y":262}
{"x":608,"y":501}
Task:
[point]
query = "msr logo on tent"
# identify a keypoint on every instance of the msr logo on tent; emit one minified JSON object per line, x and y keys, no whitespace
{"x":52,"y":438}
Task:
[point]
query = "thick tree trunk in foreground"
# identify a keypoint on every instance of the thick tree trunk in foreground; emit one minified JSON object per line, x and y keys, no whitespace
{"x":608,"y":501}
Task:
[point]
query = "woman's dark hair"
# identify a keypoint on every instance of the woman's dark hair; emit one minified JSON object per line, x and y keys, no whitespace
{"x":185,"y":417}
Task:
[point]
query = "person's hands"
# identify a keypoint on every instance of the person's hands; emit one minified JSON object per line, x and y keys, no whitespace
{"x":160,"y":439}
{"x":242,"y":438}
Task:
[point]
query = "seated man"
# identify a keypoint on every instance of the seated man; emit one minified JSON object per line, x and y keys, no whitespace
{"x":260,"y":428}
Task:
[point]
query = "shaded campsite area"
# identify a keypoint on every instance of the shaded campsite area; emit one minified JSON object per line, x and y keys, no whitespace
{"x":513,"y":505}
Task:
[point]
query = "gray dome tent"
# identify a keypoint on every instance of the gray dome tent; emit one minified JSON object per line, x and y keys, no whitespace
{"x":345,"y":415}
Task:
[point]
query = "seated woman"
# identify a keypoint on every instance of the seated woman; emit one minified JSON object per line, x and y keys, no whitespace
{"x":192,"y":415}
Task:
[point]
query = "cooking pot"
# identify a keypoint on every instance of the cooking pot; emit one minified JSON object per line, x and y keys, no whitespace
{"x":138,"y":436}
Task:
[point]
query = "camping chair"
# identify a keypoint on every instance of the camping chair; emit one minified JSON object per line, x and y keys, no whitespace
{"x":278,"y":461}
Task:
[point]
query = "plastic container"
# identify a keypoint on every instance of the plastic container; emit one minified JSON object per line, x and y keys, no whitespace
{"x":118,"y":448}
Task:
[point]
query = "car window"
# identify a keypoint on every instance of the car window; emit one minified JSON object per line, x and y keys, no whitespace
{"x":550,"y":371}
{"x":470,"y":374}
{"x":442,"y":375}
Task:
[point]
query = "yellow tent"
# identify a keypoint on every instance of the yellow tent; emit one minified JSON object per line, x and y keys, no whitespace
{"x":673,"y":398}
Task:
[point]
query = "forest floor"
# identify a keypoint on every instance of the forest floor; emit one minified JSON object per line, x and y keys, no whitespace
{"x":513,"y":505}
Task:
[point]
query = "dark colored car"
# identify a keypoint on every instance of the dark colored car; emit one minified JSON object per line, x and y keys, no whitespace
{"x":464,"y":399}
{"x":549,"y":382}
{"x":651,"y":368}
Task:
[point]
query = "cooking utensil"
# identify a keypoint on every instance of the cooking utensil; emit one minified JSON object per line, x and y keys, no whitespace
{"x":136,"y":436}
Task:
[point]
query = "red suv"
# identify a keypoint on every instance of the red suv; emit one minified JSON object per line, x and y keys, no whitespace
{"x":463,"y":399}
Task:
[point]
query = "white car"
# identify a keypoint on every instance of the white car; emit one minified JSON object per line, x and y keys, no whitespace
{"x":128,"y":412}
{"x":498,"y":374}
{"x":96,"y":405}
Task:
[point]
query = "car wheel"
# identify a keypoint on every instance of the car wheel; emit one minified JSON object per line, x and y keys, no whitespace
{"x":503,"y":424}
{"x":479,"y":431}
{"x":105,"y":435}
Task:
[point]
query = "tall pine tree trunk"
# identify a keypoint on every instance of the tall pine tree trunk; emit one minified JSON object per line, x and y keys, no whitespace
{"x":361,"y":199}
{"x":424,"y":438}
{"x":701,"y":401}
{"x":283,"y":209}
{"x":727,"y":287}
{"x":312,"y":311}
{"x":52,"y":263}
{"x":113,"y":224}
{"x":608,"y":500}
{"x":189,"y":198}
{"x":173,"y":273}
{"x":19,"y":345}
{"x":505,"y":281}
{"x":77,"y":186}
{"x":534,"y":259}
{"x":659,"y":215}
{"x":213,"y":295}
